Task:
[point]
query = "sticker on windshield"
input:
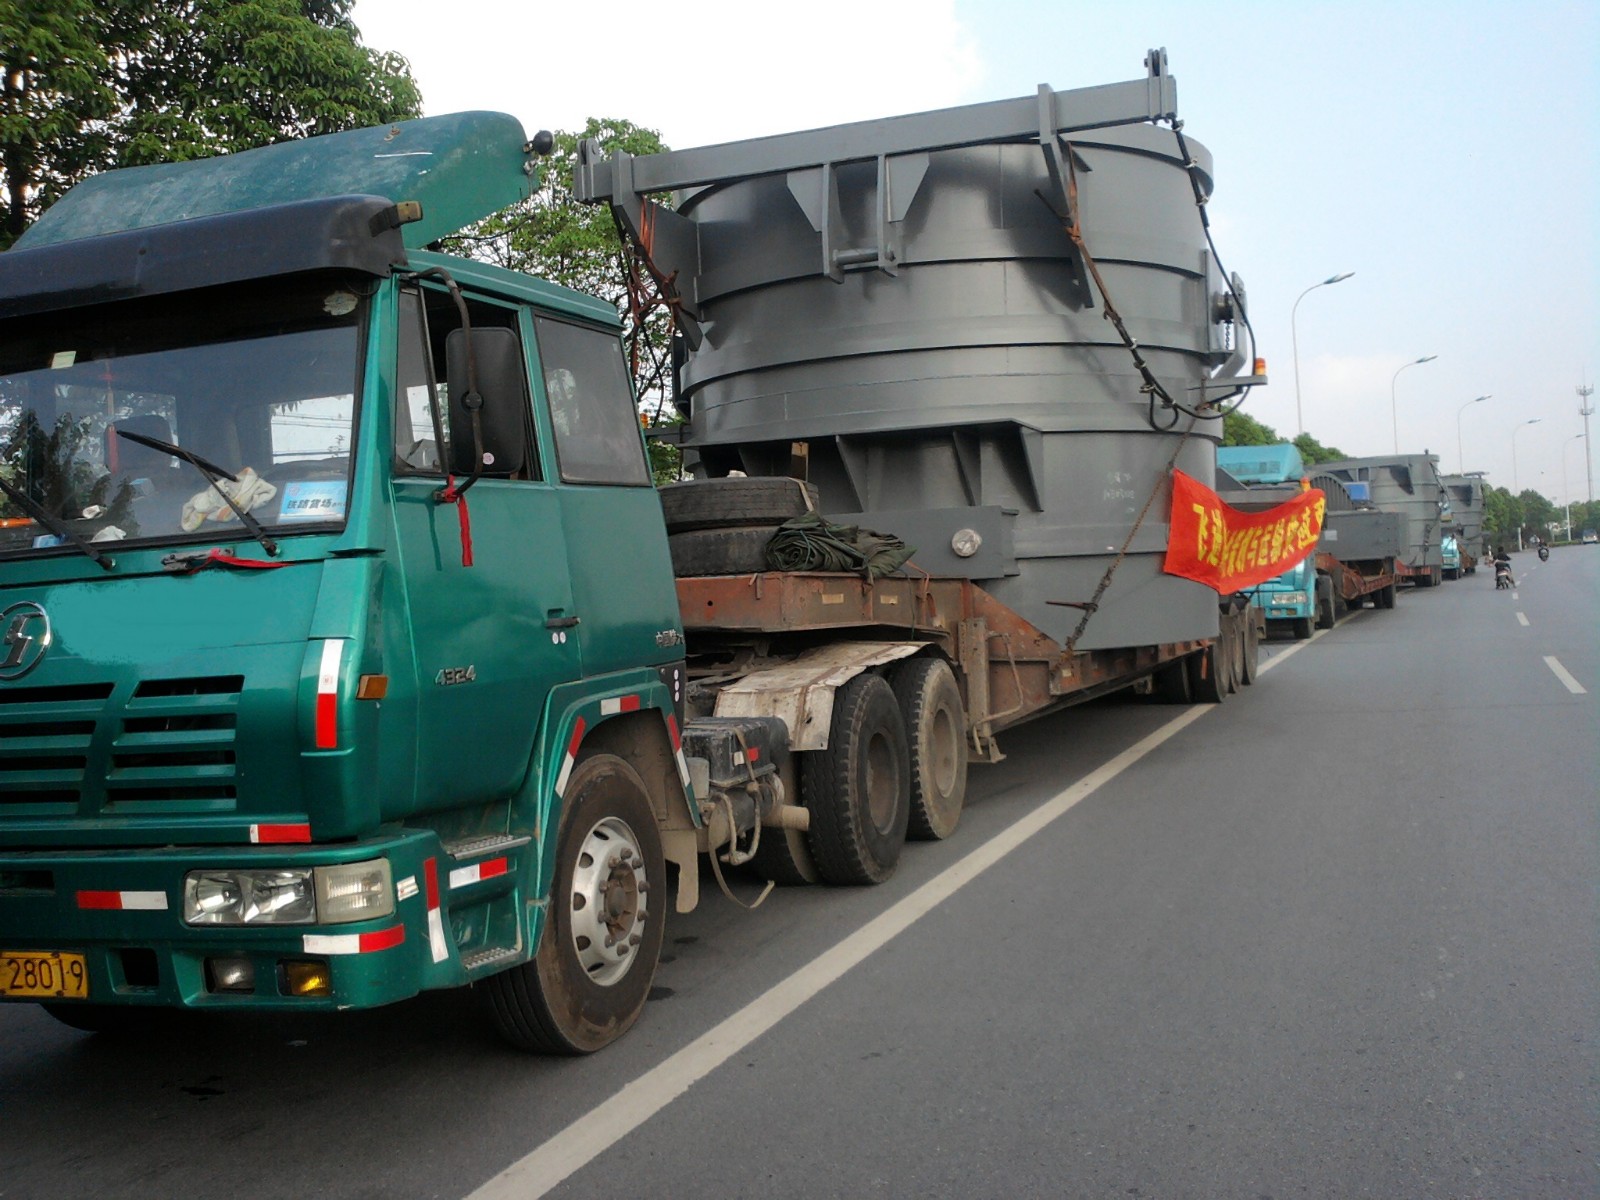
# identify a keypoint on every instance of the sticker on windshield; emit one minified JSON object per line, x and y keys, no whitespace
{"x":319,"y":500}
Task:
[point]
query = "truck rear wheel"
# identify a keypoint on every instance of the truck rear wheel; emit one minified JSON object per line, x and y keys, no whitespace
{"x":1249,"y":664}
{"x":1384,"y":596}
{"x":859,"y":788}
{"x":930,"y":704}
{"x":589,"y":979}
{"x":1208,"y":673}
{"x":783,"y":857}
{"x":1325,"y":611}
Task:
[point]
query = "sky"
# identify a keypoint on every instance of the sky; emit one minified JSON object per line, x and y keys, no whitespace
{"x":1445,"y":152}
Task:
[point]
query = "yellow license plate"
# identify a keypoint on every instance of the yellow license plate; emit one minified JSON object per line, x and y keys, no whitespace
{"x":43,"y":975}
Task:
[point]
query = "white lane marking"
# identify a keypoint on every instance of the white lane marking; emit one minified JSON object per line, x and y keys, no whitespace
{"x":1522,"y":618}
{"x":603,"y":1126}
{"x":1513,"y":595}
{"x":1561,"y":673}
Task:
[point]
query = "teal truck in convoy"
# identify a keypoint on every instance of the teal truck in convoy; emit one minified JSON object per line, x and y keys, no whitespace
{"x":1354,"y":561}
{"x":342,"y":654}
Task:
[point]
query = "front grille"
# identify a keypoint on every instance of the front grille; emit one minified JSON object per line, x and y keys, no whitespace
{"x":71,"y":751}
{"x":46,"y":735}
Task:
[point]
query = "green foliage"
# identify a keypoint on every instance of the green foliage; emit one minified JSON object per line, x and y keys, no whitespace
{"x":96,"y":84}
{"x":1313,"y":451}
{"x":1241,"y":429}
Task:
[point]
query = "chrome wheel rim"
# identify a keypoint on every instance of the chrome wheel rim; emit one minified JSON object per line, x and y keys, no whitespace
{"x":609,"y":901}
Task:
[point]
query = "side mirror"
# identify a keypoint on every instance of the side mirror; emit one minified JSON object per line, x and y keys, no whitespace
{"x":502,"y":401}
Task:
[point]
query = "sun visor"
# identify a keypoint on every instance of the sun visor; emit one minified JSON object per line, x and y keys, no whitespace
{"x":461,"y":167}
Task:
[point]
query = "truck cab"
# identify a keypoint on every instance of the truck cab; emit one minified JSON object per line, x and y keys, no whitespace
{"x":331,"y":570}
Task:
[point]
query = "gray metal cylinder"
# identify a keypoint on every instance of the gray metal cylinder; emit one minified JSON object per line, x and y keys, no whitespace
{"x":935,"y":344}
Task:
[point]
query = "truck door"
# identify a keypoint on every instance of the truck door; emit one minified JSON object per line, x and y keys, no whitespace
{"x":487,"y":641}
{"x":617,"y":547}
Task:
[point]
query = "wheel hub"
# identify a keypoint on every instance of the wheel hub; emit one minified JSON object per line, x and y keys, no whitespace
{"x":610,"y":906}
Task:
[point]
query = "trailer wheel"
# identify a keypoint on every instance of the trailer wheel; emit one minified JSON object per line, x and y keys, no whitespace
{"x":930,"y":704}
{"x":1208,"y":674}
{"x":1169,"y":684}
{"x":1235,"y":626}
{"x":589,"y":979}
{"x":859,"y":788}
{"x":1325,"y":610}
{"x":1384,"y":596}
{"x":1249,"y":665}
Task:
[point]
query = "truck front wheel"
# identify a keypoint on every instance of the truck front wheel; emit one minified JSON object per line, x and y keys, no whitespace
{"x":859,"y":788}
{"x":602,"y":938}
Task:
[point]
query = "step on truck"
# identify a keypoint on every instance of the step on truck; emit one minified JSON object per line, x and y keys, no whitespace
{"x":343,"y":651}
{"x":1353,"y":563}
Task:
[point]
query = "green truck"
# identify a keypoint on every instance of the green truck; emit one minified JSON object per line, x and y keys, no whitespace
{"x":341,"y":653}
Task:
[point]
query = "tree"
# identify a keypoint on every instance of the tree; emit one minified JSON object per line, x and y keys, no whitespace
{"x":1313,"y":451}
{"x":1241,"y":429}
{"x":90,"y":85}
{"x":553,"y":236}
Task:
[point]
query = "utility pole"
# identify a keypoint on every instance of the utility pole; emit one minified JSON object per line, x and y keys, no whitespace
{"x":1585,"y":410}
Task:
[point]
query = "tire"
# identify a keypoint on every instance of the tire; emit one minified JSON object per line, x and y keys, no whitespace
{"x":783,"y":857}
{"x":720,"y":551}
{"x":1208,"y":674}
{"x":936,"y":739}
{"x":1425,"y":580}
{"x":1301,"y":628}
{"x":1325,"y":612}
{"x":859,"y":788}
{"x":1170,"y":684}
{"x":578,"y":995}
{"x":1384,"y":596}
{"x":1236,"y":648}
{"x":113,"y":1020}
{"x":729,"y":503}
{"x":1249,"y":665}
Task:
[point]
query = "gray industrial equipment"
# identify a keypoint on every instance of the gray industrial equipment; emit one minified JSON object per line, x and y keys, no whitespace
{"x":900,"y":304}
{"x":1408,"y":484}
{"x":1466,"y":511}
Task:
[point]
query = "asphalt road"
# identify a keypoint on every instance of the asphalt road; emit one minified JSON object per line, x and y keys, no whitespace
{"x":1335,"y":938}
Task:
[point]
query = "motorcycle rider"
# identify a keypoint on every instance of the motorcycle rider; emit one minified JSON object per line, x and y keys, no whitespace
{"x":1502,"y":559}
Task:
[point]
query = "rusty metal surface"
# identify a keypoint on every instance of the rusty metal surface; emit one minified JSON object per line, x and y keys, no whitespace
{"x":800,"y":691}
{"x":1009,"y":670}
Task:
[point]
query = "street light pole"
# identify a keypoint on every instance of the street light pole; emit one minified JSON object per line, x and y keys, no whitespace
{"x":1515,"y":487}
{"x":1461,"y":459}
{"x":1394,"y":411}
{"x":1294,"y":341}
{"x":1585,"y":410}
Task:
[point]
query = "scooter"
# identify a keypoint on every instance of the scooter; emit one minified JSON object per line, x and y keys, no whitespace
{"x":1544,"y":553}
{"x":1502,"y":575}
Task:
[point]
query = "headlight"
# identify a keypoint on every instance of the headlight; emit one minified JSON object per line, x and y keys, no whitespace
{"x":289,"y":896}
{"x":1292,"y":598}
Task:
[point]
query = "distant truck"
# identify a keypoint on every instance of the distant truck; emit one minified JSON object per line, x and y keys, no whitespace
{"x":1354,"y":561}
{"x":343,"y":651}
{"x":1410,"y":485}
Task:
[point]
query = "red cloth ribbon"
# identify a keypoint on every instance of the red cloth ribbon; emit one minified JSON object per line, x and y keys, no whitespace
{"x":450,"y":496}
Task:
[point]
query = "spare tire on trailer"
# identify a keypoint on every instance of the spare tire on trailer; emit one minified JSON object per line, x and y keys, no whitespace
{"x":730,"y":503}
{"x":741,"y":551}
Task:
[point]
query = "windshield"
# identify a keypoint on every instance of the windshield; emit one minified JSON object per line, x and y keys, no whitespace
{"x":257,"y":382}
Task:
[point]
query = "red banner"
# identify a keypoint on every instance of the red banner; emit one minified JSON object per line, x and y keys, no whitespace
{"x":1227,"y":550}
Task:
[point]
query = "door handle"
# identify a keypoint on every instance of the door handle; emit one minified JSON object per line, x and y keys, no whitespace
{"x":561,"y":623}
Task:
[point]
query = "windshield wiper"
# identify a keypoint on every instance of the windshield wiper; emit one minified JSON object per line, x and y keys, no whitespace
{"x":212,"y":472}
{"x":55,"y":525}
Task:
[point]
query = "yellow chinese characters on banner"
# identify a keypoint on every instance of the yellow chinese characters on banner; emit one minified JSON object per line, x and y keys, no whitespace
{"x":1227,"y":550}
